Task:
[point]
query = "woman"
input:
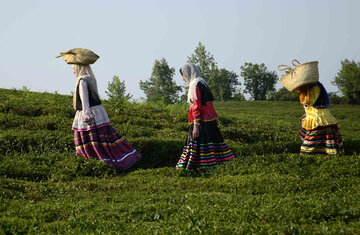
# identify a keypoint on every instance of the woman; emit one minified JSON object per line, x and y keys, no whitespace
{"x":94,"y":136}
{"x":205,"y":147}
{"x":318,"y":127}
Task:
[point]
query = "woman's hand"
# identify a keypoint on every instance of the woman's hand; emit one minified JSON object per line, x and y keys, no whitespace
{"x":196,"y":131}
{"x":88,"y":118}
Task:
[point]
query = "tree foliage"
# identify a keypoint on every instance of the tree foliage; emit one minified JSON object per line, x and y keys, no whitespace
{"x":258,"y":81}
{"x":204,"y":60}
{"x":161,"y":85}
{"x":348,"y":80}
{"x":336,"y":99}
{"x":223,"y":83}
{"x":116,"y":90}
{"x":283,"y":95}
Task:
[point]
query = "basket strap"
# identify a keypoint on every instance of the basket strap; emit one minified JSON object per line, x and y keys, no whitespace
{"x":298,"y":63}
{"x":283,"y":67}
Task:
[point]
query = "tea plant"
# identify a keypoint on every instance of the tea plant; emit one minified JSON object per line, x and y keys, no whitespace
{"x":268,"y":189}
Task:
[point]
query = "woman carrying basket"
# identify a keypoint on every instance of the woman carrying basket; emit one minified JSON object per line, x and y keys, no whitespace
{"x":204,"y":147}
{"x":318,"y":127}
{"x":93,"y":135}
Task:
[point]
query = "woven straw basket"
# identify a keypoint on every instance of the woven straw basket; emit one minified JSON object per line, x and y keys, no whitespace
{"x":79,"y":56}
{"x":302,"y":74}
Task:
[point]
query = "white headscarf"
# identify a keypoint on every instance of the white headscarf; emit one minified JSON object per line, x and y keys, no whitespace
{"x":84,"y":71}
{"x":192,"y":76}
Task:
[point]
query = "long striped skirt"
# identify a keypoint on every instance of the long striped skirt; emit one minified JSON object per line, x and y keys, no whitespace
{"x":205,"y":152}
{"x":106,"y":144}
{"x":321,"y":140}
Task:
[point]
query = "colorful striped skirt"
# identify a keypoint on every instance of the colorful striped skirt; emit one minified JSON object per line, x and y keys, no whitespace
{"x":321,"y":140}
{"x":205,"y":152}
{"x":106,"y":144}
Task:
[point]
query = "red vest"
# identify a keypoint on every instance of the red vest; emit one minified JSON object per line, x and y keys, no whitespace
{"x":202,"y":110}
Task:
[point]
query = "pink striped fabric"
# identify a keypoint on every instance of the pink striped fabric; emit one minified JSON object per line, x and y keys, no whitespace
{"x":106,"y":144}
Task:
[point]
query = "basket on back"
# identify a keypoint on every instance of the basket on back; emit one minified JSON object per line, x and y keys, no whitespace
{"x":79,"y":56}
{"x":302,"y":74}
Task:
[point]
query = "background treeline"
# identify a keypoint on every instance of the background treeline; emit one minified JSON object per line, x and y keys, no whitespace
{"x":259,"y":82}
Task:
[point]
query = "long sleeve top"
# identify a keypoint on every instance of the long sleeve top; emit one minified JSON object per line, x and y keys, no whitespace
{"x":315,"y":115}
{"x":84,"y":96}
{"x":97,"y":113}
{"x":201,"y":110}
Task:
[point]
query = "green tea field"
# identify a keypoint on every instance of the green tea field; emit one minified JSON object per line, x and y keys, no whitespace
{"x":267,"y":189}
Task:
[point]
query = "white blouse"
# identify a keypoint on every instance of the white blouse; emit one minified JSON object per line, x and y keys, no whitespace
{"x":97,"y":114}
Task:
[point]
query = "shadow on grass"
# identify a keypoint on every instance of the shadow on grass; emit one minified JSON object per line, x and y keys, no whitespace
{"x":34,"y":163}
{"x":351,"y":146}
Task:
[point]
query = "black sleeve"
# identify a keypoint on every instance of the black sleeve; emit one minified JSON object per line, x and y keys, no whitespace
{"x":206,"y":94}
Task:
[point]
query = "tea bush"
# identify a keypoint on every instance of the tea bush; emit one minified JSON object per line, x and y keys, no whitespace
{"x":268,"y":189}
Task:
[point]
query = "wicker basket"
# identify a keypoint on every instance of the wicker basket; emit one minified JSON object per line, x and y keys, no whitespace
{"x":79,"y":56}
{"x":300,"y":75}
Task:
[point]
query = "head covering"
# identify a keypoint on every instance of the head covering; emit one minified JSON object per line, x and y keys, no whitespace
{"x":84,"y":71}
{"x":192,"y":76}
{"x":190,"y":72}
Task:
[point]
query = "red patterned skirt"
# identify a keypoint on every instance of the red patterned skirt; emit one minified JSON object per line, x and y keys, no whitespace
{"x":205,"y":152}
{"x":106,"y":144}
{"x":321,"y":140}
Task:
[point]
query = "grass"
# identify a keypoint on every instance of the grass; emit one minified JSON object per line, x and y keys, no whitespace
{"x":268,"y":189}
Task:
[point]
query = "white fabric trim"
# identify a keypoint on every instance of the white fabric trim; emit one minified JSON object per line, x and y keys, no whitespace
{"x":100,"y":119}
{"x":121,"y":158}
{"x":192,"y":89}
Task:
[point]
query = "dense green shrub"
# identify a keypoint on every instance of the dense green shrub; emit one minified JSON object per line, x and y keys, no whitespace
{"x":269,"y":188}
{"x":23,"y":141}
{"x":35,"y":104}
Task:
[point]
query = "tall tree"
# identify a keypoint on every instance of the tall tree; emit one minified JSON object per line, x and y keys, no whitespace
{"x":258,"y":81}
{"x":204,"y":60}
{"x":348,"y":80}
{"x":223,"y":83}
{"x":117,"y":90}
{"x":161,"y":85}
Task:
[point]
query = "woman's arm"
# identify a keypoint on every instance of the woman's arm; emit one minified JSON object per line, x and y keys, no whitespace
{"x":197,"y":113}
{"x":84,"y":96}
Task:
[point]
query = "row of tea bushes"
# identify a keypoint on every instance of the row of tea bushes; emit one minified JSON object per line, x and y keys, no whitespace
{"x":281,"y":193}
